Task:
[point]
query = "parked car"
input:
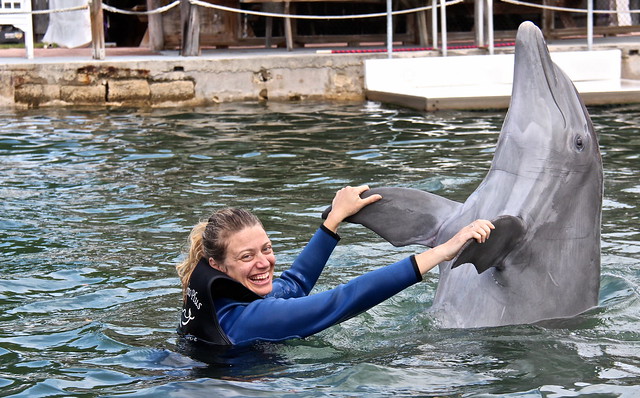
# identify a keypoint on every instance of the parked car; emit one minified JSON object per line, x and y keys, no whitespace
{"x":11,"y":34}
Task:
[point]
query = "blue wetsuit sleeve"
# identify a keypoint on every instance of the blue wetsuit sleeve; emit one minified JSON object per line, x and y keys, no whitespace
{"x":277,"y":319}
{"x":298,"y":280}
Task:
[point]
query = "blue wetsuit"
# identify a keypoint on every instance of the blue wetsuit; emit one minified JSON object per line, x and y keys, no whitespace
{"x":290,"y":312}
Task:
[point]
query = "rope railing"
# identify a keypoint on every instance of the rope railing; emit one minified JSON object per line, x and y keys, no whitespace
{"x":158,"y":10}
{"x":204,"y":4}
{"x":329,"y":17}
{"x":105,"y":7}
{"x":200,"y":3}
{"x":272,"y":14}
{"x":590,"y":11}
{"x":568,"y":9}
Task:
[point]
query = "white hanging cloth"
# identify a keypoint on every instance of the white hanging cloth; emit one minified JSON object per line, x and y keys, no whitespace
{"x":69,"y":29}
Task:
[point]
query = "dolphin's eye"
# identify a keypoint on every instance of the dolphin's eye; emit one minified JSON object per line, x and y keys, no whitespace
{"x":579,"y":143}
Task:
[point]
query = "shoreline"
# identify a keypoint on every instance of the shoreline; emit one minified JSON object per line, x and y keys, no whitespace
{"x":139,"y":77}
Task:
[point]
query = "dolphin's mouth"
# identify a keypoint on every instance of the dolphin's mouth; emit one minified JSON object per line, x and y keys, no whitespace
{"x":531,"y":50}
{"x":548,"y":69}
{"x":536,"y":78}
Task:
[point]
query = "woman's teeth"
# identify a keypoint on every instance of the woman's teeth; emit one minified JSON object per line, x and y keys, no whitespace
{"x":260,"y":278}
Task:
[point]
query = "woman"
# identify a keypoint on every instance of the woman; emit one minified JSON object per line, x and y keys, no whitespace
{"x":231,"y":298}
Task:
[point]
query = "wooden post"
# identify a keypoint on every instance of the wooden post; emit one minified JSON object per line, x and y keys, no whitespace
{"x":547,"y":20}
{"x":423,"y":28}
{"x":97,"y":29}
{"x":190,"y":19}
{"x":478,"y":17}
{"x":154,"y":27}
{"x":288,"y":33}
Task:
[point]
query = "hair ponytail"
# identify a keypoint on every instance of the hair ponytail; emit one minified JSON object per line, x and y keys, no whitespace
{"x":194,"y":254}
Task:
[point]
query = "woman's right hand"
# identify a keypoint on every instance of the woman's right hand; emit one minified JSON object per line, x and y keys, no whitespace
{"x":478,"y":230}
{"x":348,"y":202}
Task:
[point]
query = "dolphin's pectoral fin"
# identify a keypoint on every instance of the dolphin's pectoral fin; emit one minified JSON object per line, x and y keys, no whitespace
{"x":404,"y":216}
{"x":508,"y":233}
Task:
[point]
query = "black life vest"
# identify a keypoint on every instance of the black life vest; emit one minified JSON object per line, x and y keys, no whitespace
{"x":199,"y":322}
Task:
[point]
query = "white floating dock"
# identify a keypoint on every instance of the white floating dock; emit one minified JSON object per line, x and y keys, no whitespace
{"x":484,"y":81}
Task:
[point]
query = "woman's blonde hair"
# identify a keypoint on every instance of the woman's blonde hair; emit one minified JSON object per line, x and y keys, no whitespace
{"x":208,"y":239}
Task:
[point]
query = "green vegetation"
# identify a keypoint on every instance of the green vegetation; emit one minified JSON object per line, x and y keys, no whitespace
{"x":21,"y":45}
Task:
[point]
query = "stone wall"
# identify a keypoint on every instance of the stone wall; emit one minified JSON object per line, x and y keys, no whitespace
{"x":180,"y":81}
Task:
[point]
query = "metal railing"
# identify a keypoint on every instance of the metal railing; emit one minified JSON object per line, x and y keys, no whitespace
{"x":20,"y":12}
{"x":487,"y":18}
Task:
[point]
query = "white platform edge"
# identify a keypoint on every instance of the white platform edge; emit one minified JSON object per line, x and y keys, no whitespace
{"x":472,"y":78}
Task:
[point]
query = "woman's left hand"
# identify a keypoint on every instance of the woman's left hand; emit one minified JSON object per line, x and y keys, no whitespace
{"x":348,"y":202}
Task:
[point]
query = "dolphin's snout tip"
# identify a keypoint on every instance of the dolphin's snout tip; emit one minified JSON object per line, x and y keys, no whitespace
{"x":528,"y":29}
{"x":527,"y":25}
{"x":531,"y":51}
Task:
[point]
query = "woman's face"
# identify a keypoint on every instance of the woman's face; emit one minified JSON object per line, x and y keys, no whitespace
{"x":250,"y":259}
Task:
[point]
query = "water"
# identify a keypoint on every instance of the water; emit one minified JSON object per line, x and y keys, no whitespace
{"x":97,"y":203}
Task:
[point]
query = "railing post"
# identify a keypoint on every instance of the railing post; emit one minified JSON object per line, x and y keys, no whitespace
{"x":589,"y":25}
{"x":389,"y":29}
{"x":479,"y":18}
{"x":288,"y":30}
{"x":443,"y":26}
{"x":190,"y":22}
{"x":156,"y":31}
{"x":434,"y":22}
{"x":97,"y":29}
{"x":490,"y":39}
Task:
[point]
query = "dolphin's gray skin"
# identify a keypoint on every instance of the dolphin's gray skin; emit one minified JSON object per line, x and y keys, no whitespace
{"x":544,"y":191}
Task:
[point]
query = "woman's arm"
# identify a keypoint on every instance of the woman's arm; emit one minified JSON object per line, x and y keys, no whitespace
{"x":276,"y":319}
{"x":305,"y":270}
{"x":298,"y":280}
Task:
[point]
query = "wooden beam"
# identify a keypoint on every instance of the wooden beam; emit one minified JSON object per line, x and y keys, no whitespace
{"x":190,"y":18}
{"x":154,"y":27}
{"x":97,"y":29}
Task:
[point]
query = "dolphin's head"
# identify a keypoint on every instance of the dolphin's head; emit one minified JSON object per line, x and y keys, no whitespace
{"x":547,"y":123}
{"x":547,"y":140}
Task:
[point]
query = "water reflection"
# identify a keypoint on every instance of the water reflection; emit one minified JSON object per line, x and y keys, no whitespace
{"x":97,"y":205}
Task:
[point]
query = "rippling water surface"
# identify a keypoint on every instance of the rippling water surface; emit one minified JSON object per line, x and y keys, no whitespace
{"x":97,"y":204}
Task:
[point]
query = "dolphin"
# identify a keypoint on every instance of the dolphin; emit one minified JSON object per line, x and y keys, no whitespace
{"x":543,"y":192}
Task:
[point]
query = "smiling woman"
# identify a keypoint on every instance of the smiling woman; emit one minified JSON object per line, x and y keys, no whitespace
{"x":231,"y":298}
{"x":250,"y":259}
